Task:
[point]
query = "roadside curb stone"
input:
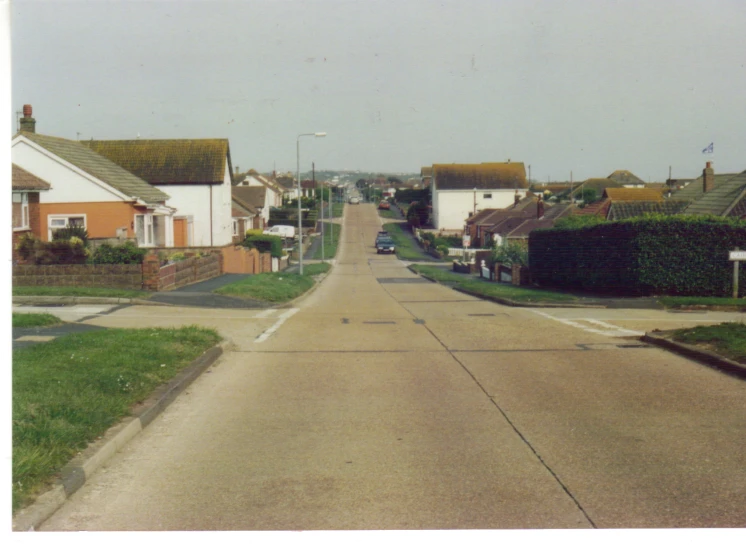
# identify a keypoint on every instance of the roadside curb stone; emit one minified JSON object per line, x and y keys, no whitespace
{"x":72,"y":300}
{"x":700,"y":355}
{"x":80,"y":468}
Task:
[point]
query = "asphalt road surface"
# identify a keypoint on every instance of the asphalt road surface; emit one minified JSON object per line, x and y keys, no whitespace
{"x":385,"y":402}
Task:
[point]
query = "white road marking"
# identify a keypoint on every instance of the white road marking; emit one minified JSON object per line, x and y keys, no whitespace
{"x":612,"y":330}
{"x":271,"y":330}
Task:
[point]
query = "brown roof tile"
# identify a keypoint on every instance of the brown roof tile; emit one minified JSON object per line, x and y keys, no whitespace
{"x":633,"y":194}
{"x":25,"y":181}
{"x":482,"y":176}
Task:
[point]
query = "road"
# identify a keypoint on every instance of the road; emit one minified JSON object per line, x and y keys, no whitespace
{"x":382,"y":401}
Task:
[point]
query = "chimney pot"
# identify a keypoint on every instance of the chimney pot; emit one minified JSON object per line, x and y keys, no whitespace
{"x":28,"y":123}
{"x":27,"y":111}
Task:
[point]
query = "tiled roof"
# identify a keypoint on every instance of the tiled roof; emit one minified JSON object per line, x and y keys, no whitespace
{"x":727,"y":193}
{"x":242,"y":209}
{"x":633,"y":194}
{"x":168,"y":161}
{"x":481,"y":215}
{"x":506,"y":225}
{"x":529,"y":226}
{"x":623,"y":176}
{"x":482,"y":176}
{"x":499,"y":215}
{"x":23,"y":180}
{"x":286,"y":182}
{"x":249,"y":195}
{"x":100,"y":167}
{"x":599,"y":208}
{"x":308,"y":184}
{"x":426,"y":172}
{"x":620,"y":210}
{"x":657,"y":185}
{"x":597,"y":184}
{"x":558,"y":211}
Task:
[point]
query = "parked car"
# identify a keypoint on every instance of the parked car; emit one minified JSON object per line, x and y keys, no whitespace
{"x":382,"y":234}
{"x":288,"y":232}
{"x":384,"y":204}
{"x":354,"y":201}
{"x":385,"y":245}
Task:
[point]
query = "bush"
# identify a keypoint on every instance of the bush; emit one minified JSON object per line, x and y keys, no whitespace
{"x":654,"y":254}
{"x":442,"y":249}
{"x":510,"y":253}
{"x":177,"y":257}
{"x":264,"y":244}
{"x":72,"y":231}
{"x":59,"y":251}
{"x":127,"y":253}
{"x":254,"y":232}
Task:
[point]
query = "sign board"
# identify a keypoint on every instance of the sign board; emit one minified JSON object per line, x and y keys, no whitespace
{"x":466,"y":240}
{"x":737,"y":255}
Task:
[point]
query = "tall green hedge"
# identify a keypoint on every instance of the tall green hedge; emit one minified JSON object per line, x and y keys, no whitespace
{"x":264,"y":244}
{"x":655,"y":254}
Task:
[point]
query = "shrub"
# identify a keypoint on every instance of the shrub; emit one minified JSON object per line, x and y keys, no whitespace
{"x":254,"y":232}
{"x":177,"y":257}
{"x":59,"y":251}
{"x":127,"y":253}
{"x":264,"y":244}
{"x":654,"y":254}
{"x":510,"y":253}
{"x":442,"y":249}
{"x":72,"y":231}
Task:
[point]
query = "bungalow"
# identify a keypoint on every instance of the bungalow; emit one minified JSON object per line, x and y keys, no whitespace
{"x":277,"y":191}
{"x":621,"y":203}
{"x":196,"y":173}
{"x":626,"y":179}
{"x":256,"y":197}
{"x":716,"y":194}
{"x":91,"y":191}
{"x":243,"y":219}
{"x":26,"y":214}
{"x":461,"y":190}
{"x":477,"y":226}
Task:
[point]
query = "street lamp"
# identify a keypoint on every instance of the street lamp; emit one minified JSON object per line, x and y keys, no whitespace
{"x":300,"y":215}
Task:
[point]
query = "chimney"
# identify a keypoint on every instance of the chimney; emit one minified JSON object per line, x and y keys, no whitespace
{"x":708,"y":178}
{"x":540,"y":208}
{"x":27,"y":122}
{"x":517,"y":198}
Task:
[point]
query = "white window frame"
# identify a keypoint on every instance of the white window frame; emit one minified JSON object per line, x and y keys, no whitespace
{"x":235,"y":227}
{"x":66,"y":218}
{"x":149,"y":235}
{"x":487,"y":196}
{"x":22,"y":198}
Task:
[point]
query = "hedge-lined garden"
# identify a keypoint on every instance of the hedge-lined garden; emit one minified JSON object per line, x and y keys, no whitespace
{"x":655,"y":254}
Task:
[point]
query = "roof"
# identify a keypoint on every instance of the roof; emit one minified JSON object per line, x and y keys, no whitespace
{"x":23,"y":181}
{"x":249,"y":196}
{"x":558,"y":211}
{"x":481,"y":215}
{"x":168,"y":161}
{"x":726,"y":194}
{"x":506,"y":225}
{"x":286,"y":182}
{"x":529,"y":226}
{"x":597,"y":184}
{"x":633,"y":194}
{"x":100,"y":167}
{"x":482,"y":176}
{"x":426,"y":172}
{"x":598,"y":208}
{"x":623,"y":176}
{"x":620,"y":210}
{"x":242,"y":209}
{"x":658,"y":185}
{"x":308,"y":184}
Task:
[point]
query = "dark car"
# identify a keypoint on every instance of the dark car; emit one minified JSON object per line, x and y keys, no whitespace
{"x":382,"y":233}
{"x":385,"y":245}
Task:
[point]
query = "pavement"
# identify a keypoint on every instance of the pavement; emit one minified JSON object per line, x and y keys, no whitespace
{"x":383,"y":401}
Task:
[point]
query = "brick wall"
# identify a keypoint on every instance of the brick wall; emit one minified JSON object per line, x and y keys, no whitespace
{"x":178,"y":274}
{"x":120,"y":276}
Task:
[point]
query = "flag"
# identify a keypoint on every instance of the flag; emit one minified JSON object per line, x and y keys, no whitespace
{"x":710,"y":149}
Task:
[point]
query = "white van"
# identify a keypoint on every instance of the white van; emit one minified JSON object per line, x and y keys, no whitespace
{"x":288,"y":232}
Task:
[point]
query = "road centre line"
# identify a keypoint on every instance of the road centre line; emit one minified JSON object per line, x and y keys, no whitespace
{"x":271,"y":330}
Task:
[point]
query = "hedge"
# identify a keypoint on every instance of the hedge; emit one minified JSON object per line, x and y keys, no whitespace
{"x":654,"y":254}
{"x":264,"y":244}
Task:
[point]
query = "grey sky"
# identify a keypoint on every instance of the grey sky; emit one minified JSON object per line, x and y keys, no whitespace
{"x":587,"y":86}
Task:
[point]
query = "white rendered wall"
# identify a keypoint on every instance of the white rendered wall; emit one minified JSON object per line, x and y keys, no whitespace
{"x":451,"y":208}
{"x":67,"y":185}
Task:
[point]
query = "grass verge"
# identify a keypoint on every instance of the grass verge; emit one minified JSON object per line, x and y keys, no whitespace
{"x":79,"y":291}
{"x":71,"y":390}
{"x":331,"y":241}
{"x":26,"y":320}
{"x":388,"y":213}
{"x":710,"y":301}
{"x":490,"y":288}
{"x":726,"y":339}
{"x":406,"y":247}
{"x":275,"y":287}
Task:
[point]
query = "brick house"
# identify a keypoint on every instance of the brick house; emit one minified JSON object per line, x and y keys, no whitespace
{"x":26,"y":213}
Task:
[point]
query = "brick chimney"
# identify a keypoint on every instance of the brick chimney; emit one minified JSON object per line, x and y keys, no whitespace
{"x":708,"y":178}
{"x":27,"y":122}
{"x":540,"y":208}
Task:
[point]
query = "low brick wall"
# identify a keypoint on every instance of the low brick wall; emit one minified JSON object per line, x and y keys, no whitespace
{"x":119,"y":276}
{"x":178,"y":274}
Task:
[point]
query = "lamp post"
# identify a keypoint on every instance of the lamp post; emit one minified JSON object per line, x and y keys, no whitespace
{"x":300,"y":191}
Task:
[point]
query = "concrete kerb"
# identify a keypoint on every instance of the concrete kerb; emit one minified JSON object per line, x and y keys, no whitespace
{"x":292,"y":303}
{"x":700,"y":355}
{"x":80,"y":468}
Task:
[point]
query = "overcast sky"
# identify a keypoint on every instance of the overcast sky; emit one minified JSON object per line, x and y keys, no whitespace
{"x":582,"y":86}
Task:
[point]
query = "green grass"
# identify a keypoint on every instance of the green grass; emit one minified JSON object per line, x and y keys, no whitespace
{"x":726,"y":339}
{"x":274,"y":287}
{"x":681,"y":301}
{"x":25,"y":320}
{"x":79,"y":291}
{"x":388,"y":213}
{"x":338,"y":210}
{"x":490,"y":288}
{"x":331,"y":241}
{"x":71,"y":390}
{"x":406,"y":247}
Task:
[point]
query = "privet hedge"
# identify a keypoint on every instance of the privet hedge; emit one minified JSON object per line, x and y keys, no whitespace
{"x":655,"y":254}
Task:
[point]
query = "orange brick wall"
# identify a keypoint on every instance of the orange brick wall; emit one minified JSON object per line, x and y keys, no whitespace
{"x":102,"y":218}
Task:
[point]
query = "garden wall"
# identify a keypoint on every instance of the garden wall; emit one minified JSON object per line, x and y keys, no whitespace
{"x":184,"y":272}
{"x":119,"y":276}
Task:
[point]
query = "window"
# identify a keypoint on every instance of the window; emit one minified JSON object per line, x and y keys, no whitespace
{"x":487,"y":196}
{"x":56,"y":222}
{"x":144,"y":230}
{"x":235,"y":227}
{"x":20,"y":211}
